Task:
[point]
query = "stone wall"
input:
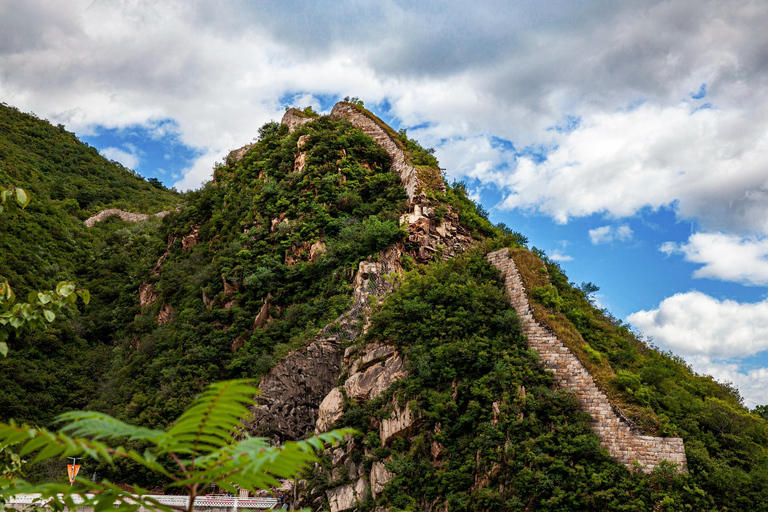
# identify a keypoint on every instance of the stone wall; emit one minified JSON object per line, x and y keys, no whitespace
{"x":126,"y":216}
{"x":409,"y":176}
{"x":614,"y":433}
{"x":294,"y":118}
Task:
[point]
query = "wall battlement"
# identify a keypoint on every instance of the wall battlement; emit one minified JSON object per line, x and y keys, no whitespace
{"x":614,"y":433}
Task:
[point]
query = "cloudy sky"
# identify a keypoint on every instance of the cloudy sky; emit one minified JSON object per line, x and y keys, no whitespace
{"x":629,"y":140}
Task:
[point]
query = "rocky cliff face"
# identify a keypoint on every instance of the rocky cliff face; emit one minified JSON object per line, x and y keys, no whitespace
{"x":294,"y":389}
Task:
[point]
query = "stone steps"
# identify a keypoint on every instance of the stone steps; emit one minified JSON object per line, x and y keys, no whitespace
{"x":614,"y":434}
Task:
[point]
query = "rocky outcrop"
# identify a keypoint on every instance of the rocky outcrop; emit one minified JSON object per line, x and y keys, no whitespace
{"x":165,"y":315}
{"x":345,"y":497}
{"x":330,"y":411}
{"x":294,"y":118}
{"x":614,"y":433}
{"x":147,"y":294}
{"x":380,"y":477}
{"x":125,"y":216}
{"x":399,"y":424}
{"x":293,"y":390}
{"x":375,"y":380}
{"x":238,"y":154}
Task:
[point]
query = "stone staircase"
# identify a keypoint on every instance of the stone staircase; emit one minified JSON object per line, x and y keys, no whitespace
{"x":614,"y":432}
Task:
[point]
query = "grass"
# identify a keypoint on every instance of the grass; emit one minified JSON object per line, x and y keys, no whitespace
{"x":534,"y":274}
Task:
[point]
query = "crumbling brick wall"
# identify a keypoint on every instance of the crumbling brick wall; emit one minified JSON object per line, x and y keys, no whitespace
{"x":614,"y":433}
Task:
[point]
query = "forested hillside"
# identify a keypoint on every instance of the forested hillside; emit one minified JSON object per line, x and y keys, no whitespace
{"x":50,"y":371}
{"x":263,"y":258}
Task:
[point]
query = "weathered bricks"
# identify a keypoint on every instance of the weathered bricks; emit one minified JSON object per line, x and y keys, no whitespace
{"x":614,"y":434}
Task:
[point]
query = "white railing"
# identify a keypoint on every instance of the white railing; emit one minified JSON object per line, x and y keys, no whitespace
{"x":176,"y":501}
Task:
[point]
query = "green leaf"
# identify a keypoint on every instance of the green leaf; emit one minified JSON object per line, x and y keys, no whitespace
{"x":22,"y":198}
{"x":65,"y":288}
{"x":44,"y":298}
{"x":3,"y":348}
{"x":49,"y":315}
{"x":85,"y":295}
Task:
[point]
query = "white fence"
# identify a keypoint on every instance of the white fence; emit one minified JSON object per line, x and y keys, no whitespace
{"x":178,"y":501}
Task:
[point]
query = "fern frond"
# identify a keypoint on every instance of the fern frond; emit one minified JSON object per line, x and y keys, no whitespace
{"x":212,"y":420}
{"x":50,"y":445}
{"x":102,"y":426}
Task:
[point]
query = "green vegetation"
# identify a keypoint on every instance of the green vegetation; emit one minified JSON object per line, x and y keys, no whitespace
{"x":199,"y":451}
{"x":256,"y":262}
{"x":494,"y":434}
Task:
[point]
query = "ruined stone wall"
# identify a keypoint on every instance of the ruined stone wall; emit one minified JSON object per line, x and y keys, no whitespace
{"x":293,"y":119}
{"x":409,"y":176}
{"x":126,"y":216}
{"x":614,"y":434}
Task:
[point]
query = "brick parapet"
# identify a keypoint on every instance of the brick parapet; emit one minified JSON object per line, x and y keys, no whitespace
{"x":614,"y":433}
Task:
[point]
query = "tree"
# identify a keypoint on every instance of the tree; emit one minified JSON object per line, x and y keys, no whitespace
{"x":205,"y":446}
{"x":41,"y":306}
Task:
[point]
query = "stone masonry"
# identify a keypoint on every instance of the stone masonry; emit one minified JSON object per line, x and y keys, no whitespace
{"x":408,"y":174}
{"x":614,"y":433}
{"x":126,"y":216}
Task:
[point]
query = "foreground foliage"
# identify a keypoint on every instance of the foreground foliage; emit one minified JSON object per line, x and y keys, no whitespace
{"x":200,"y":449}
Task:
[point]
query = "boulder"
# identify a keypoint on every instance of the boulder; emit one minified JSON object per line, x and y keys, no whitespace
{"x":380,"y":477}
{"x":331,"y":409}
{"x":375,"y":380}
{"x":345,"y":497}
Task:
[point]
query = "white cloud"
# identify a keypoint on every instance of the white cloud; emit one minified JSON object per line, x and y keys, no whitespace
{"x":725,"y":256}
{"x":711,"y":164}
{"x":557,"y":256}
{"x":495,"y":69}
{"x":607,"y":234}
{"x":695,"y":324}
{"x":712,"y":336}
{"x":128,"y":158}
{"x":751,"y":384}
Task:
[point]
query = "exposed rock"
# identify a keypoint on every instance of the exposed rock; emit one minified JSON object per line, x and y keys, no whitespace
{"x":380,"y":477}
{"x":375,"y":380}
{"x":294,"y":118}
{"x":237,"y":154}
{"x":331,"y":409}
{"x":229,"y":289}
{"x":230,"y":304}
{"x":294,"y":254}
{"x":237,"y":343}
{"x":345,"y":497}
{"x":293,"y":390}
{"x":300,"y":162}
{"x":263,"y":315}
{"x":147,"y":294}
{"x":399,"y":424}
{"x":276,"y":221}
{"x":351,"y":469}
{"x":190,"y":240}
{"x":375,"y":351}
{"x":316,"y":250}
{"x":302,"y":141}
{"x":125,"y":216}
{"x":165,"y":315}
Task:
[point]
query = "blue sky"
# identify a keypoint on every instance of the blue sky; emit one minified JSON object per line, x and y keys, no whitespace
{"x":627,"y":140}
